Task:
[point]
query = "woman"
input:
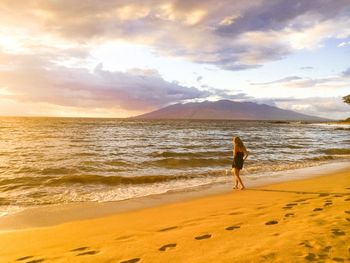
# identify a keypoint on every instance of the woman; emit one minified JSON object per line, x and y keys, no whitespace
{"x":240,"y":154}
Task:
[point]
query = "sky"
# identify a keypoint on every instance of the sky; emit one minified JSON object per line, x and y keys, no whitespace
{"x":117,"y":58}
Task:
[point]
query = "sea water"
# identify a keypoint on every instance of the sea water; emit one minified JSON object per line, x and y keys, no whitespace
{"x":47,"y":161}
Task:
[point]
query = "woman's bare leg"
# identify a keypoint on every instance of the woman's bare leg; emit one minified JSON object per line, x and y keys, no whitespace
{"x":233,"y":174}
{"x":239,"y":178}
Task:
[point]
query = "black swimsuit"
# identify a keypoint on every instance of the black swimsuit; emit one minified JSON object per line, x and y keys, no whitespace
{"x":238,"y":160}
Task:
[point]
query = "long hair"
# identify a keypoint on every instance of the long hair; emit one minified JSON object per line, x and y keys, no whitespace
{"x":238,"y":143}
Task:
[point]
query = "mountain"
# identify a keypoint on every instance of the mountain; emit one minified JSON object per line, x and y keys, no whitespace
{"x":226,"y":110}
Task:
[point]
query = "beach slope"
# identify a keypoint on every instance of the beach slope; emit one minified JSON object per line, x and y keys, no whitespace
{"x":298,"y":221}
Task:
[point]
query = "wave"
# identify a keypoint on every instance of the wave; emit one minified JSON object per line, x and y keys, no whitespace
{"x":272,"y":166}
{"x":108,"y":180}
{"x":85,"y":154}
{"x":289,"y":146}
{"x":320,"y":158}
{"x":57,"y":171}
{"x":167,"y":154}
{"x":67,"y":181}
{"x":13,"y":183}
{"x":188,"y":162}
{"x":344,"y":151}
{"x":116,"y":163}
{"x":26,"y":170}
{"x":342,"y":129}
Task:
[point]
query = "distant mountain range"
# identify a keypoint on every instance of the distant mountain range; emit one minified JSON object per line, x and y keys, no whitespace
{"x":227,"y":110}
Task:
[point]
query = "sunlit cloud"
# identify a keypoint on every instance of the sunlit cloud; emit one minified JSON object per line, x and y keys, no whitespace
{"x":78,"y":87}
{"x":49,"y":52}
{"x":233,"y":35}
{"x":305,"y":82}
{"x":330,"y":107}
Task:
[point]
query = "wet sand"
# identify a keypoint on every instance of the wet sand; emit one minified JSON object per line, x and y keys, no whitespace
{"x":296,"y":221}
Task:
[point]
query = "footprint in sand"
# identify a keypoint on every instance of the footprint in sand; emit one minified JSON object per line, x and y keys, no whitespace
{"x":232,"y":228}
{"x":31,"y":261}
{"x":338,"y":259}
{"x":123,"y":237}
{"x":24,"y":258}
{"x":327,"y":248}
{"x":317,"y":209}
{"x":323,"y":194}
{"x":36,"y":260}
{"x":206,"y":236}
{"x":322,"y":256}
{"x":79,"y":249}
{"x":300,"y":200}
{"x":289,"y":206}
{"x":310,"y":257}
{"x":91,"y":252}
{"x":328,"y":203}
{"x":133,"y":260}
{"x":84,"y":253}
{"x":167,"y":247}
{"x":306,"y":243}
{"x":347,"y":199}
{"x":337,"y":232}
{"x":289,"y":214}
{"x":271,"y":222}
{"x":348,"y":219}
{"x":347,"y":211}
{"x":235,"y":213}
{"x":167,"y":228}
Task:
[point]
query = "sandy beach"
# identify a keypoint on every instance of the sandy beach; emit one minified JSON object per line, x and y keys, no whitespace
{"x":296,"y":221}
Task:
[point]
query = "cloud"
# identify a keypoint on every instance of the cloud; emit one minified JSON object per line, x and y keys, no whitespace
{"x":295,"y":82}
{"x":306,"y":68}
{"x":344,"y":44}
{"x":199,"y":78}
{"x":229,"y":95}
{"x":283,"y":80}
{"x":46,"y":47}
{"x":329,"y":107}
{"x":277,"y":15}
{"x":34,"y":79}
{"x":346,"y":73}
{"x":233,"y":35}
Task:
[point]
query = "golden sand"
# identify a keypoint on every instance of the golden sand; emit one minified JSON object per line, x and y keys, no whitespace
{"x":299,"y":221}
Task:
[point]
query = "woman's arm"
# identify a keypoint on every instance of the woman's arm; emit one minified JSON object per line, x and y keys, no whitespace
{"x":245,"y":153}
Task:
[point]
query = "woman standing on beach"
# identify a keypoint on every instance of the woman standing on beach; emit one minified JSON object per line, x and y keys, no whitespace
{"x":240,"y":154}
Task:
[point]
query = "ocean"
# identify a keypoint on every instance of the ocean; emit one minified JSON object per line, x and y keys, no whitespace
{"x":45,"y":161}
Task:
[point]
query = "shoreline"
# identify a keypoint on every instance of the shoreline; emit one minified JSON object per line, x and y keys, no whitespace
{"x":294,"y":221}
{"x":51,"y":215}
